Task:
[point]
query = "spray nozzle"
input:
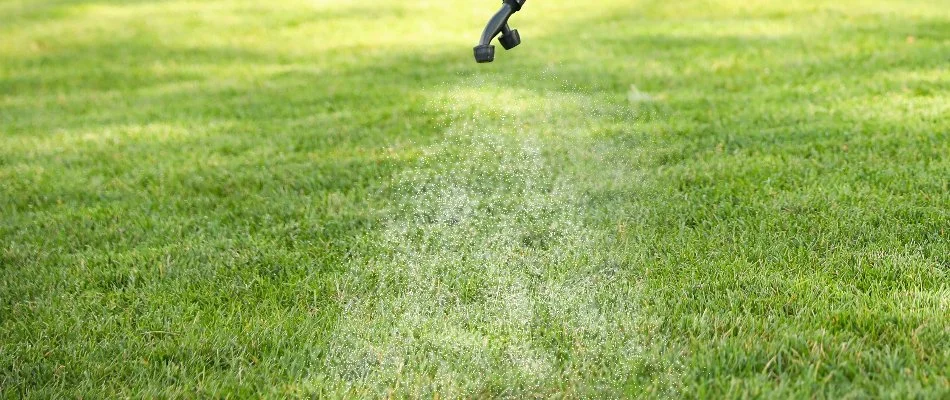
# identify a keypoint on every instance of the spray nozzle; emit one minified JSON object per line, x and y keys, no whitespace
{"x":510,"y":38}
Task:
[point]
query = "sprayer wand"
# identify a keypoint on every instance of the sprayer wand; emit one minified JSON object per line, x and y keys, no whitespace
{"x":510,"y":38}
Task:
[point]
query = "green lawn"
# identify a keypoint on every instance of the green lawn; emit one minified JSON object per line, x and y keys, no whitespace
{"x":315,"y":198}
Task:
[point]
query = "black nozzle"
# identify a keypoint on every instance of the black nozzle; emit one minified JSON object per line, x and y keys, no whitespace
{"x":510,"y":38}
{"x":484,"y":53}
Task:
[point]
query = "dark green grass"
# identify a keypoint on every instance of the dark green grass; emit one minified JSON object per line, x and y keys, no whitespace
{"x":215,"y":198}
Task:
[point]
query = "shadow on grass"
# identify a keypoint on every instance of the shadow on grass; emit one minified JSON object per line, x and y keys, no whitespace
{"x":278,"y":164}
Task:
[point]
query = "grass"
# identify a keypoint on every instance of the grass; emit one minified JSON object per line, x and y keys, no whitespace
{"x":302,"y":198}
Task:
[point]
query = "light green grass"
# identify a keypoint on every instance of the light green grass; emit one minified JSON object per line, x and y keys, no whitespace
{"x":236,"y":198}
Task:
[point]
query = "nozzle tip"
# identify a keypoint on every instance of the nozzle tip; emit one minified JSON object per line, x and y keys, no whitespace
{"x":484,"y":53}
{"x":510,"y":40}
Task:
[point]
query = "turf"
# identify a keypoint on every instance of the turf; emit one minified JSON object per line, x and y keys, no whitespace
{"x":299,"y":198}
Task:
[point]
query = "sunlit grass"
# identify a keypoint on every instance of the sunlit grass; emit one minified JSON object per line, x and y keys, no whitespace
{"x":299,"y":198}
